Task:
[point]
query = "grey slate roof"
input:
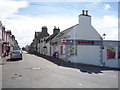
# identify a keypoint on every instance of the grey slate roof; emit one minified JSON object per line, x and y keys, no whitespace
{"x":63,"y":33}
{"x":51,"y":37}
{"x":41,"y":35}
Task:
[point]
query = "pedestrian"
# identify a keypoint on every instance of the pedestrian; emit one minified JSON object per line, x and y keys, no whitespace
{"x":55,"y":54}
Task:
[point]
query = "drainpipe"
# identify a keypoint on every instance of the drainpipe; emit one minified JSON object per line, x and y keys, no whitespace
{"x":102,"y":47}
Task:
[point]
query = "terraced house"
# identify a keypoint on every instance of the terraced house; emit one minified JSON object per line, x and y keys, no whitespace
{"x":81,"y":43}
{"x":7,"y":41}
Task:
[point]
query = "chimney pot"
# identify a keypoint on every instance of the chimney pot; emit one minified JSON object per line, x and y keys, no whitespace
{"x":83,"y":12}
{"x":87,"y":12}
{"x":54,"y":27}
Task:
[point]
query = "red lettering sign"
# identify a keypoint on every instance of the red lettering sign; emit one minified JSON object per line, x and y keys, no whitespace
{"x":53,"y":43}
{"x":84,"y":42}
{"x":63,"y":41}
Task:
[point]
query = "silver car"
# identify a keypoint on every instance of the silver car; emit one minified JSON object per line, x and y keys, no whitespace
{"x":16,"y":54}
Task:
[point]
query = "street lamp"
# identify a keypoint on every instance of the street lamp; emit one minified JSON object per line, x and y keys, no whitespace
{"x":104,"y":35}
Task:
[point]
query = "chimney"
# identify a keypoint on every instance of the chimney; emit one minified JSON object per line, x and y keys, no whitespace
{"x":84,"y":18}
{"x":44,"y":29}
{"x":3,"y":27}
{"x":9,"y":32}
{"x":56,"y":30}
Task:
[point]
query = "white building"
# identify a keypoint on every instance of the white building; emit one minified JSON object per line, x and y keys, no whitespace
{"x":111,"y":53}
{"x":81,"y":43}
{"x":48,"y":45}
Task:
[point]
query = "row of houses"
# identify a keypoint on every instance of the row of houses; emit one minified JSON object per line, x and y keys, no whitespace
{"x":7,"y":41}
{"x":80,"y":43}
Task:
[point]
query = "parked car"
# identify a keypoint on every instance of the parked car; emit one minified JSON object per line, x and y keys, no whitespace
{"x":16,"y":54}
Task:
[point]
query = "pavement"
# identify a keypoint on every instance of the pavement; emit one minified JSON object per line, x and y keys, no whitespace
{"x":38,"y":72}
{"x":61,"y":62}
{"x":3,"y":60}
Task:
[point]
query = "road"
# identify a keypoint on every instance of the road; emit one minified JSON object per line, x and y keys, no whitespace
{"x":37,"y":72}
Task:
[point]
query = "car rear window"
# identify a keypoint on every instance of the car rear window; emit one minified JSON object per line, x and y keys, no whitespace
{"x":15,"y":52}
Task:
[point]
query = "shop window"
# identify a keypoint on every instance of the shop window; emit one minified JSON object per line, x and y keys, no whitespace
{"x":111,"y":54}
{"x":73,"y":50}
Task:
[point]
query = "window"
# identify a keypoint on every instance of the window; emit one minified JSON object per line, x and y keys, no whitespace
{"x":111,"y":52}
{"x":73,"y":50}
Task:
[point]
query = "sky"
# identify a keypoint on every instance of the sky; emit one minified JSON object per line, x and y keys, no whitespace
{"x":24,"y":17}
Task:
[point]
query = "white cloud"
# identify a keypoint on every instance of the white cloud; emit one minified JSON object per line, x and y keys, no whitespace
{"x":107,"y":6}
{"x":24,"y":27}
{"x":107,"y":25}
{"x":9,"y":7}
{"x":74,"y":0}
{"x":110,"y":21}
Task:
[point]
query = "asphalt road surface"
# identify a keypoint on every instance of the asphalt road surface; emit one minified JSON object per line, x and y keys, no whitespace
{"x":37,"y":72}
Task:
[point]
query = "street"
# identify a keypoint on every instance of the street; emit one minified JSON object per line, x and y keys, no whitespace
{"x":37,"y":72}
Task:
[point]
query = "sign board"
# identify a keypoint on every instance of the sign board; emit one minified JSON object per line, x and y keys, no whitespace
{"x":111,"y":52}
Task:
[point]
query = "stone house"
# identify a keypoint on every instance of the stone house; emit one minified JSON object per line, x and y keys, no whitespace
{"x":35,"y":45}
{"x":7,"y":41}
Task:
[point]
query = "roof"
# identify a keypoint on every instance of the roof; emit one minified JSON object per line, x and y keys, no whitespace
{"x":51,"y":37}
{"x":64,"y":33}
{"x":42,"y":35}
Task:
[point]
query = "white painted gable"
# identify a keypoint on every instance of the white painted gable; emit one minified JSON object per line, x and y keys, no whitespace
{"x":84,"y":30}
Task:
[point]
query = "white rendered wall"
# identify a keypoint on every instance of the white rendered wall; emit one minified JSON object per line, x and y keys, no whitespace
{"x":86,"y":55}
{"x":84,"y":30}
{"x":83,"y":19}
{"x":48,"y":49}
{"x":110,"y":62}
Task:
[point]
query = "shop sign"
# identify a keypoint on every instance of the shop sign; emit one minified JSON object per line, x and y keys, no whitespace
{"x":85,"y":42}
{"x":53,"y":43}
{"x":73,"y":50}
{"x":111,"y":52}
{"x":63,"y":41}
